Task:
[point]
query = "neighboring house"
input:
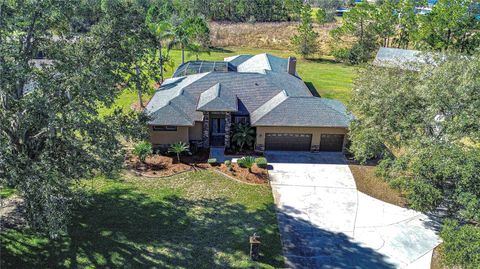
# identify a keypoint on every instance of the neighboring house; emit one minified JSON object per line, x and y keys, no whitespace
{"x":203,"y":99}
{"x":402,"y":58}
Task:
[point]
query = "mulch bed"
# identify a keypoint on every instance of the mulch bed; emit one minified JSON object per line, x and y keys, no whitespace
{"x":157,"y":166}
{"x":258,"y":175}
{"x":248,"y":152}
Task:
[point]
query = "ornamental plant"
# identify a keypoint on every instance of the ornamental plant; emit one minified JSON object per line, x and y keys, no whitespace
{"x":143,"y":150}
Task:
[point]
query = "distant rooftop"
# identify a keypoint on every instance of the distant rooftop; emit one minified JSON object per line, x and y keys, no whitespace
{"x":402,"y":58}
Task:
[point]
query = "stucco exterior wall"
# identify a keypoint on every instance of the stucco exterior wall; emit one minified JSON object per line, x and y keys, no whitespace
{"x":195,"y":132}
{"x":315,"y":131}
{"x":165,"y":138}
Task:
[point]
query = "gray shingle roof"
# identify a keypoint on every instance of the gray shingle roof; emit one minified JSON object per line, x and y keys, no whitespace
{"x":401,"y":58}
{"x":271,"y":96}
{"x":302,"y":112}
{"x":217,"y":98}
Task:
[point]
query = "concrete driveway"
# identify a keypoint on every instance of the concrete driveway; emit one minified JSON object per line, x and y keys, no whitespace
{"x":326,"y":223}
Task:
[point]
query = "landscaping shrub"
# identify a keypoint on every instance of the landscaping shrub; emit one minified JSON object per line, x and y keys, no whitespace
{"x":247,"y":162}
{"x":143,"y":150}
{"x":461,"y":245}
{"x":178,"y":148}
{"x":261,"y":162}
{"x":212,"y":161}
{"x":228,"y":164}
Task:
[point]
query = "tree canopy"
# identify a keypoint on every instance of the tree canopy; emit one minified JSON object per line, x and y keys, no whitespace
{"x":51,"y":132}
{"x":305,"y":41}
{"x":426,"y":126}
{"x":450,"y":26}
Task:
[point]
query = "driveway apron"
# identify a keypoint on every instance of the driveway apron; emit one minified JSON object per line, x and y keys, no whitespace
{"x":326,"y":223}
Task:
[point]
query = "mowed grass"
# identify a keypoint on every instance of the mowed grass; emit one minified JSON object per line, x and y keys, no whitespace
{"x":6,"y":192}
{"x":193,"y":220}
{"x":329,"y":79}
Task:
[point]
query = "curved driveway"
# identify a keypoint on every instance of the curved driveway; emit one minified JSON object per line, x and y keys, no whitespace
{"x":326,"y":223}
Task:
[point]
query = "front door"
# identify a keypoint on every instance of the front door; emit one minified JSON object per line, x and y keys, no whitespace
{"x":217,"y":132}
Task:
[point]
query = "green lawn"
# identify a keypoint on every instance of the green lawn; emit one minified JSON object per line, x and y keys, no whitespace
{"x":329,"y":79}
{"x":6,"y":192}
{"x":193,"y":220}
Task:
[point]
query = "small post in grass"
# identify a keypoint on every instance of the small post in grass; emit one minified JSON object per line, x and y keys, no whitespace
{"x":254,"y":247}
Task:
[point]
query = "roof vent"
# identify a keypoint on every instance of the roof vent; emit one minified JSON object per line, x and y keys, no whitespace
{"x":292,"y":66}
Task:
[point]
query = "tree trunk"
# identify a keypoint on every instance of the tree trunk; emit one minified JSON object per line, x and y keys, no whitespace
{"x":183,"y":54}
{"x":241,"y":146}
{"x":361,"y":30}
{"x":178,"y":157}
{"x":160,"y":61}
{"x":139,"y":85}
{"x":449,"y":33}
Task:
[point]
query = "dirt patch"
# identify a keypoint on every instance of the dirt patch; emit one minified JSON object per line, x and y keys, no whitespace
{"x":436,"y":259}
{"x":368,"y":183}
{"x":257,"y":176}
{"x":12,"y":212}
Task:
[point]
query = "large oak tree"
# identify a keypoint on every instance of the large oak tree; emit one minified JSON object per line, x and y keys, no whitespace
{"x":51,"y":134}
{"x":426,"y":125}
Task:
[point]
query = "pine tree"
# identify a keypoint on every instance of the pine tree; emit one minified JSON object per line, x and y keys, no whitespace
{"x":305,"y":41}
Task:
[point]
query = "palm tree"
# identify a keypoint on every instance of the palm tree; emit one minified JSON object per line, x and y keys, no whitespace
{"x":193,"y":34}
{"x":162,"y":30}
{"x":243,"y":135}
{"x":178,"y":148}
{"x":181,"y":37}
{"x":143,"y":150}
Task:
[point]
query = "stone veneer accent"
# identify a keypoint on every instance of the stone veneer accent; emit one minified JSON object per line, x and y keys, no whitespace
{"x":228,"y":125}
{"x":206,"y":129}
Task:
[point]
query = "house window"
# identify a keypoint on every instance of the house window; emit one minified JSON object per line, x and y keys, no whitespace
{"x":241,"y":120}
{"x":165,"y":128}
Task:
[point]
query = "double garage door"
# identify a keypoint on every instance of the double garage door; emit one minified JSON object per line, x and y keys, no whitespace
{"x":302,"y":142}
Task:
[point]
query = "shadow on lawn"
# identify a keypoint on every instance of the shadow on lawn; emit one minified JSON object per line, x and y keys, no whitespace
{"x":312,"y":89}
{"x":125,"y":229}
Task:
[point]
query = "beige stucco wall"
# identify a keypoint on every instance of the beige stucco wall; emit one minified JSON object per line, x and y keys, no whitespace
{"x":316,"y":133}
{"x":195,"y":132}
{"x":168,"y":137}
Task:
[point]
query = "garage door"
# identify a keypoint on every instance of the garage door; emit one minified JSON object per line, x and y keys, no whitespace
{"x":331,"y":142}
{"x":288,"y":142}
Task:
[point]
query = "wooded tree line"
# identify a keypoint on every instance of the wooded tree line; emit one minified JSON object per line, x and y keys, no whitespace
{"x":242,"y":10}
{"x":452,"y":25}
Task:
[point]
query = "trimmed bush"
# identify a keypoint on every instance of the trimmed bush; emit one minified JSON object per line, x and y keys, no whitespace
{"x":212,"y":161}
{"x":228,"y":164}
{"x":261,"y":162}
{"x":247,"y":162}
